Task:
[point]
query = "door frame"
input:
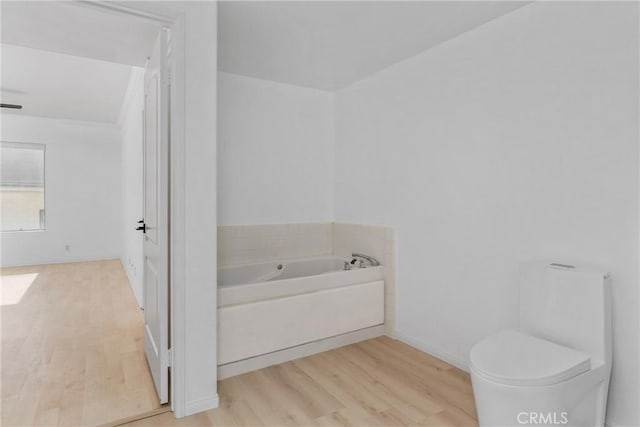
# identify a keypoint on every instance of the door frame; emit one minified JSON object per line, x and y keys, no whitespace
{"x":175,"y":21}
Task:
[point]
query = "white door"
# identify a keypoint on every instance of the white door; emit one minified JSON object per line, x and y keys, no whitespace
{"x":156,"y":216}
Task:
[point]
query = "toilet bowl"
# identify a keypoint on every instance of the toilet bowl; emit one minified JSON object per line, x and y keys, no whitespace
{"x":555,"y":369}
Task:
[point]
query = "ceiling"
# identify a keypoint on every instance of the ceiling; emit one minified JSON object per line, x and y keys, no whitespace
{"x":87,"y":54}
{"x":329,"y":45}
{"x":55,"y":85}
{"x":76,"y":29}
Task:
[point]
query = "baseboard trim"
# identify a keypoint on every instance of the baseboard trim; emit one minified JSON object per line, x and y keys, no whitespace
{"x":130,"y":280}
{"x":247,"y":365}
{"x":69,"y":261}
{"x":154,"y":412}
{"x":201,"y":405}
{"x":433,"y":351}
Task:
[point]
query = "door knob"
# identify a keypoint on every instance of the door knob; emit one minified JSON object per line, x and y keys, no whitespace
{"x":143,"y":227}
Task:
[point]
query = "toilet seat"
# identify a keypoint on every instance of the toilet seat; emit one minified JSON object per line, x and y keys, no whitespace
{"x":515,"y":358}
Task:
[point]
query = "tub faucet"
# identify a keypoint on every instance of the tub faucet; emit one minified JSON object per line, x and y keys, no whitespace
{"x":374,"y":262}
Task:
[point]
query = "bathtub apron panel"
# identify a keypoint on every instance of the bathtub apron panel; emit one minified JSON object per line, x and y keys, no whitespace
{"x":262,"y":327}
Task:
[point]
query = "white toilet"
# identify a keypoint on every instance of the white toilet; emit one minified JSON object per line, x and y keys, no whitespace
{"x":555,"y":370}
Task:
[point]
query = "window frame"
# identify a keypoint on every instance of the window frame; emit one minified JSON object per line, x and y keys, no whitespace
{"x":31,"y":146}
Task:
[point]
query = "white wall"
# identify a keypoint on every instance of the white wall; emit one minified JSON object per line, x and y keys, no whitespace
{"x":197,"y":200}
{"x":513,"y":141}
{"x":131,"y":126}
{"x":82,"y":192}
{"x":274,"y":145}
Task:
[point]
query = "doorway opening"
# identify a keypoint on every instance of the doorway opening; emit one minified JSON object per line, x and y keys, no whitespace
{"x":95,"y":94}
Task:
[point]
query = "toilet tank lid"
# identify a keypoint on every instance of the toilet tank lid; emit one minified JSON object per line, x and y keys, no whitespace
{"x":515,"y":358}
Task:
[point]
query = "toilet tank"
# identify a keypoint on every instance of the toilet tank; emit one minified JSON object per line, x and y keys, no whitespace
{"x":569,"y":305}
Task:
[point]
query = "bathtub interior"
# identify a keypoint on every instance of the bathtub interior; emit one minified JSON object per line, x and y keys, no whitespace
{"x":280,"y":270}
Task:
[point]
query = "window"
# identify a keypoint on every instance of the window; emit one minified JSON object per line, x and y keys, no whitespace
{"x":22,"y":186}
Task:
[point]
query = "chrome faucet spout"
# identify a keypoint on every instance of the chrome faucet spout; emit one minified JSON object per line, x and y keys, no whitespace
{"x":374,"y":262}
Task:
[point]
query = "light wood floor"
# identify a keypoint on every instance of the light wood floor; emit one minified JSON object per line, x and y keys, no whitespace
{"x":380,"y":382}
{"x":72,"y":346}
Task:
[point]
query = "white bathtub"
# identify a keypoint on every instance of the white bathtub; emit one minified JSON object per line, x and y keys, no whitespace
{"x":266,"y":271}
{"x":255,"y":282}
{"x":275,"y":306}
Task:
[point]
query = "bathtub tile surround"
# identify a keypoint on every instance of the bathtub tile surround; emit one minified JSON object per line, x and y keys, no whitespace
{"x":379,"y":242}
{"x":245,"y":244}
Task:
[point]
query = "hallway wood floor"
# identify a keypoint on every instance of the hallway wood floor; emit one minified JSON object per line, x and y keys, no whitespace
{"x":72,"y":346}
{"x":379,"y":382}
